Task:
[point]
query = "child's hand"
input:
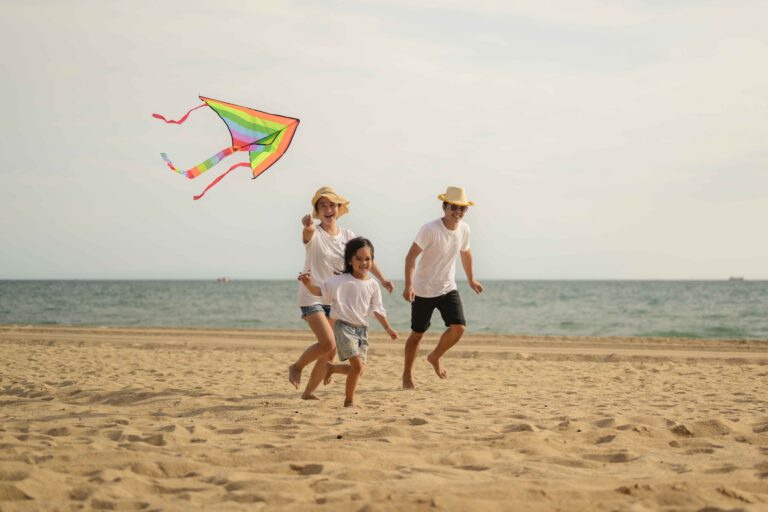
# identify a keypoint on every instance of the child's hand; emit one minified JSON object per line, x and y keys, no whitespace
{"x":392,"y":333}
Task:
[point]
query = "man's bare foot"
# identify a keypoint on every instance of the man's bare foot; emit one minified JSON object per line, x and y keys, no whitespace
{"x":309,"y":396}
{"x":437,"y":365}
{"x":408,"y":383}
{"x":294,"y":376}
{"x":328,"y":373}
{"x":349,"y":404}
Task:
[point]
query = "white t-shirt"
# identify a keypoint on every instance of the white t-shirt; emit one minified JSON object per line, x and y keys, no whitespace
{"x":352,"y":299}
{"x":435,"y":273}
{"x":325,"y":258}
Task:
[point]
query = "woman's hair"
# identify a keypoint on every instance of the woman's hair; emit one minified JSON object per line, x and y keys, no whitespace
{"x":352,"y":247}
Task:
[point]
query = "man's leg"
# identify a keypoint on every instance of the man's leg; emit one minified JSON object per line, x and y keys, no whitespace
{"x":421,"y":315}
{"x":450,"y":337}
{"x":452,"y":311}
{"x":411,"y":349}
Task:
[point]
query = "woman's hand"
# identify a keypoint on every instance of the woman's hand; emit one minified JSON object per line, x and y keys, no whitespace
{"x":389,"y":285}
{"x":307,"y":222}
{"x":392,"y":333}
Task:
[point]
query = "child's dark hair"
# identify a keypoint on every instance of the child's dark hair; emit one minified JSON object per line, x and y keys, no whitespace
{"x":352,"y":247}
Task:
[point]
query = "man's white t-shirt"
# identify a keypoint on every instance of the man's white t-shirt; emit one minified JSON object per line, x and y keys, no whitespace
{"x":435,"y":273}
{"x":352,"y":299}
{"x":324,"y":258}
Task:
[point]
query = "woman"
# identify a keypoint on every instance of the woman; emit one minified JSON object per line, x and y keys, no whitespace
{"x":324,"y":244}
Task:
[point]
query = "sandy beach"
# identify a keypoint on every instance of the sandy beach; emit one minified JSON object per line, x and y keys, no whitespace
{"x":171,"y":419}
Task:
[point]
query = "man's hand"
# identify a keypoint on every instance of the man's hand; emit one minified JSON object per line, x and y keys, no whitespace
{"x":476,"y":286}
{"x":409,"y":294}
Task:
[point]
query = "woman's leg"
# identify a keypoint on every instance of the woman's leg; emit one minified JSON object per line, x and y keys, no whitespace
{"x":318,"y":375}
{"x":321,"y":328}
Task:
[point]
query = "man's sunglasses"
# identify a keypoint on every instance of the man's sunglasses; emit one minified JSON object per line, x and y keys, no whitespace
{"x":455,"y":207}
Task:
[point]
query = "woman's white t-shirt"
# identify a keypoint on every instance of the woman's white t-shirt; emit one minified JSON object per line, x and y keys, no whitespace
{"x":324,"y":258}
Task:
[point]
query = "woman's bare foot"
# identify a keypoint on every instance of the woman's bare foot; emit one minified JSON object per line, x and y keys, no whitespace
{"x":309,"y":396}
{"x":328,"y":374}
{"x":294,"y":376}
{"x":408,"y":382}
{"x":437,"y":365}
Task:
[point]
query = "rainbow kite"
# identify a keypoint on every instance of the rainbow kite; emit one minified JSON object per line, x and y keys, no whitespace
{"x":265,"y":136}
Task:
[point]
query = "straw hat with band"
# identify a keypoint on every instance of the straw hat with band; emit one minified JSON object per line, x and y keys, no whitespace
{"x":455,"y":195}
{"x":331,"y":195}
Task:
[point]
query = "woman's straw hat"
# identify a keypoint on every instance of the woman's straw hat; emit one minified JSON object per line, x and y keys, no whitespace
{"x":455,"y":195}
{"x":332,"y":196}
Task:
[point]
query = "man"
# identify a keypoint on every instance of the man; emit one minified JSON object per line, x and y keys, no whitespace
{"x":433,"y":284}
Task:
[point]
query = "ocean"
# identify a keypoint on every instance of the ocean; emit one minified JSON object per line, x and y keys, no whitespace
{"x":691,"y":309}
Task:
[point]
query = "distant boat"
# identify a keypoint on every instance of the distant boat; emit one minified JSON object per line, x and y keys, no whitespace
{"x":223,"y":279}
{"x":735,"y":278}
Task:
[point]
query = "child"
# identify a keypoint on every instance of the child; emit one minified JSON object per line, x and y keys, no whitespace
{"x":352,"y":295}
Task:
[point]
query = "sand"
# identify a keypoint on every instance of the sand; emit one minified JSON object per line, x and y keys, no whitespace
{"x":171,"y":419}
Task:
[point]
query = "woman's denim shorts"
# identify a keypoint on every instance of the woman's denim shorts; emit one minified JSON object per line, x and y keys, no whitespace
{"x":308,"y":310}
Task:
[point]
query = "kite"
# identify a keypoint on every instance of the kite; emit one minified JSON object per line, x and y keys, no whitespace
{"x":265,"y":136}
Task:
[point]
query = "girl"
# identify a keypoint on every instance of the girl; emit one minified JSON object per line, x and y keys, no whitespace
{"x":352,"y":296}
{"x":324,"y":245}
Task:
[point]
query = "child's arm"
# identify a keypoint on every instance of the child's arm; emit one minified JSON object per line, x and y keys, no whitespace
{"x":307,"y":281}
{"x":385,"y":324}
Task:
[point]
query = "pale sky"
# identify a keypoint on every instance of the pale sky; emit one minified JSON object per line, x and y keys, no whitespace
{"x":599,"y":139}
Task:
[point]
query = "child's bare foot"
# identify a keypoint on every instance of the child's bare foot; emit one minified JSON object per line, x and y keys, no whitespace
{"x":309,"y":396}
{"x":437,"y":365}
{"x":294,"y":376}
{"x":408,"y":382}
{"x":328,"y":374}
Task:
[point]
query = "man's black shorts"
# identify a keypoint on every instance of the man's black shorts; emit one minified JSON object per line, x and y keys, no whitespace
{"x":449,"y":306}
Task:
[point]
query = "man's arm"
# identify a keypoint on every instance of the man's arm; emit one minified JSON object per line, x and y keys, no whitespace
{"x":410,"y":266}
{"x":466,"y":262}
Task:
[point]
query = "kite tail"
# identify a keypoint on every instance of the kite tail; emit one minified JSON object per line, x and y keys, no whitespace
{"x":241,"y":164}
{"x":170,"y":164}
{"x":180,"y":121}
{"x":196,"y":171}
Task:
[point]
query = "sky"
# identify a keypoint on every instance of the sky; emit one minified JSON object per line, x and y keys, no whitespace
{"x":599,"y":139}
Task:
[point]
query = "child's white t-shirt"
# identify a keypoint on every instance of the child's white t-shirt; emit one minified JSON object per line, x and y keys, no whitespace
{"x":324,"y":258}
{"x":352,"y":299}
{"x":435,"y":273}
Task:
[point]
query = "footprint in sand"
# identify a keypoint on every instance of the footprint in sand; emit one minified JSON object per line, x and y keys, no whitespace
{"x":10,"y":492}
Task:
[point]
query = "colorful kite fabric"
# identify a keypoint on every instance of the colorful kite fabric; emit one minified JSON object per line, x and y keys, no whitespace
{"x":265,"y":136}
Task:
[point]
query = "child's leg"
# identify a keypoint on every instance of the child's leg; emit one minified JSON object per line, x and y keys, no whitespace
{"x":331,"y":368}
{"x":356,"y":366}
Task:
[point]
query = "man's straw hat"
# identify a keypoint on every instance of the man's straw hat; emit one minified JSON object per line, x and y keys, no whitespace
{"x":332,"y":196}
{"x":455,"y":195}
